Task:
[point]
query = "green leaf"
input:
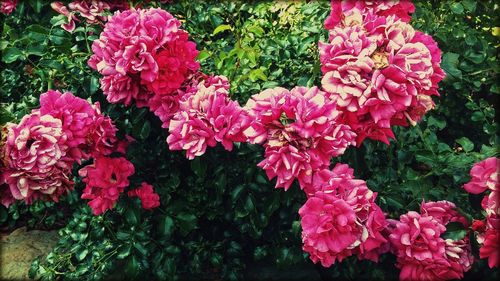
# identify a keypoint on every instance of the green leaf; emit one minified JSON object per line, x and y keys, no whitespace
{"x":124,"y":251}
{"x":454,"y":231}
{"x":132,"y":267}
{"x":145,"y":130}
{"x":466,"y":144}
{"x":203,"y":55}
{"x":470,"y":5}
{"x":221,"y":28}
{"x":457,"y":8}
{"x":166,"y":226}
{"x":80,"y":255}
{"x":12,"y":54}
{"x":236,"y":192}
{"x":132,"y":215}
{"x":256,"y":74}
{"x":187,"y":222}
{"x":450,"y":64}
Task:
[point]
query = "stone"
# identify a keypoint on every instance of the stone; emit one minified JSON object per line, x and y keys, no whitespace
{"x":20,"y":248}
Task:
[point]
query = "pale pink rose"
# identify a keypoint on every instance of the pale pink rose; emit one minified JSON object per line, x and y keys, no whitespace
{"x":288,"y":163}
{"x":158,"y":25}
{"x":350,"y":86}
{"x":119,"y":89}
{"x":104,"y":180}
{"x":206,"y":117}
{"x":484,"y":175}
{"x":347,"y":44}
{"x":92,"y":10}
{"x":377,"y":68}
{"x":491,"y":204}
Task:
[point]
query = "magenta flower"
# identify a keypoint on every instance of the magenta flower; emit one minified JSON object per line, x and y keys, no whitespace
{"x":33,"y":156}
{"x":340,"y":218}
{"x":484,"y":175}
{"x":206,"y":117}
{"x":377,"y":68}
{"x":105,"y":179}
{"x":143,"y":53}
{"x":7,"y":6}
{"x":421,"y":253}
{"x":149,"y":199}
{"x":401,"y":9}
{"x":77,"y":117}
{"x":300,"y":131}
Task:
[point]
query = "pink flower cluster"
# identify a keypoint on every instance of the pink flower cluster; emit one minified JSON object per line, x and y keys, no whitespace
{"x":39,"y":152}
{"x":402,"y":9}
{"x":422,"y":254}
{"x":105,"y":179}
{"x":484,"y":176}
{"x":7,"y":6}
{"x":377,"y":68}
{"x":149,"y":199}
{"x":93,"y":12}
{"x":300,"y":131}
{"x":144,"y":57}
{"x":340,"y":218}
{"x":207,"y":115}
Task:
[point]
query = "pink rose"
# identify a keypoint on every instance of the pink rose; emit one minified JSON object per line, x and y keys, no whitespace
{"x":149,"y":199}
{"x":104,"y":180}
{"x":7,"y":6}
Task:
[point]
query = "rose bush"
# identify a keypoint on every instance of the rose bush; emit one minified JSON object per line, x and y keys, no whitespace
{"x":214,"y":214}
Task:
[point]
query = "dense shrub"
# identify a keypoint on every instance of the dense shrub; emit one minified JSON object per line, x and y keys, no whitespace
{"x":219,"y":215}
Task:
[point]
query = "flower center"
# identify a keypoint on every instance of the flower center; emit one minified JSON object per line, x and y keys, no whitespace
{"x":380,"y":58}
{"x":284,"y":120}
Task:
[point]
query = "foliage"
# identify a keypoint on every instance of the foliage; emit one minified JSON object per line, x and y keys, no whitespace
{"x":219,"y":215}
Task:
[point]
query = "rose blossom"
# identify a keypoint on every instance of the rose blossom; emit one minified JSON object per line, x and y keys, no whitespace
{"x":421,"y":252}
{"x":378,"y":69}
{"x":300,"y":132}
{"x":206,"y":117}
{"x":341,"y":218}
{"x":104,"y":180}
{"x":33,"y":156}
{"x":490,"y":248}
{"x":7,"y":6}
{"x":484,"y":175}
{"x":149,"y":199}
{"x":401,"y":9}
{"x":141,"y":53}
